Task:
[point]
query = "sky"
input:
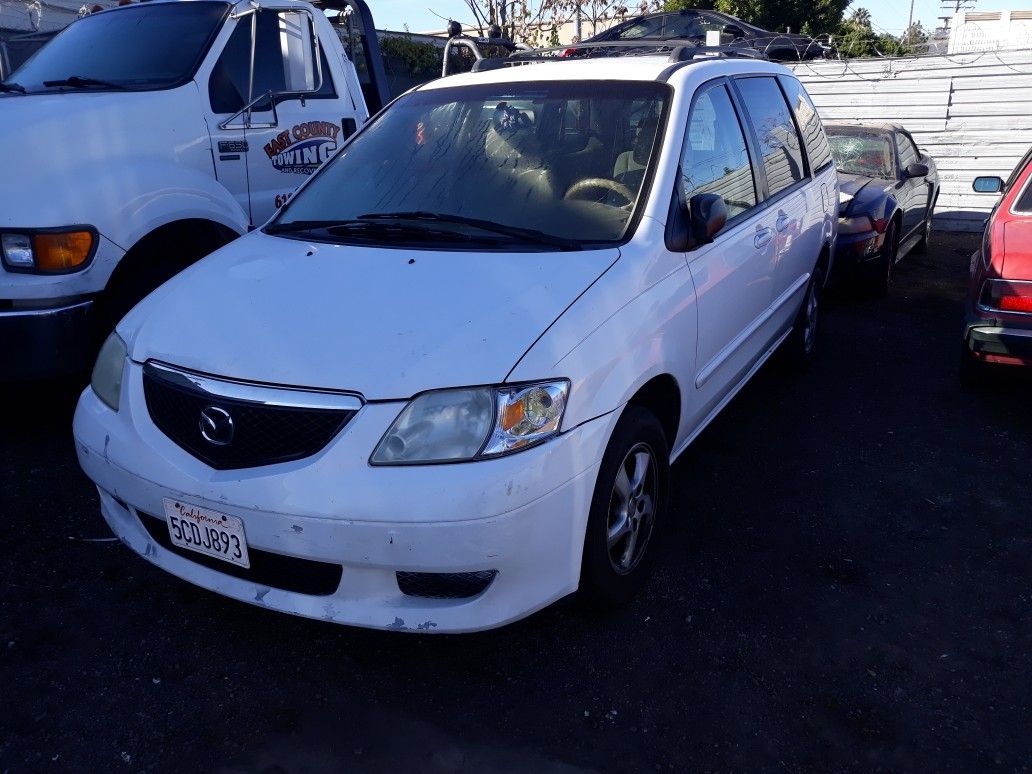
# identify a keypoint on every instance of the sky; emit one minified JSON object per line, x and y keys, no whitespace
{"x":887,"y":15}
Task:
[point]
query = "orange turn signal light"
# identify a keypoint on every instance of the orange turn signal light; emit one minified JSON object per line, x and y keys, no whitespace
{"x":62,"y":251}
{"x":512,"y":415}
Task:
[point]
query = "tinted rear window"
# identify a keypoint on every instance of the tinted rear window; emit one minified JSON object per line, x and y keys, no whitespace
{"x":779,"y":140}
{"x":809,"y":123}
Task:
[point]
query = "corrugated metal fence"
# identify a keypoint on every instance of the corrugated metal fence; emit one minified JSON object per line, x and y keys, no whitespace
{"x":971,"y":112}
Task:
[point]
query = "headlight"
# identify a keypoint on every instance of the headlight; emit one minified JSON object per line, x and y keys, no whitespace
{"x":107,"y":373}
{"x":48,"y":252}
{"x":858,"y":225}
{"x":475,"y":423}
{"x":18,"y":251}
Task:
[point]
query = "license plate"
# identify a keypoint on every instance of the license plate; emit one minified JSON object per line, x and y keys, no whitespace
{"x":207,"y":532}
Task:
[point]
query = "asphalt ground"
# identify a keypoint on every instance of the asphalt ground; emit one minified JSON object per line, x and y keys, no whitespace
{"x":845,"y":584}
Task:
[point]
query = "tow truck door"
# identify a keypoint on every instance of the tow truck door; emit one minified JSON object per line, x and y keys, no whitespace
{"x":290,"y":115}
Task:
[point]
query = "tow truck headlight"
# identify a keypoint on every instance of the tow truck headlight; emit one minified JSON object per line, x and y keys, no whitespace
{"x":475,"y":423}
{"x":17,"y":250}
{"x":48,"y":252}
{"x":107,"y":373}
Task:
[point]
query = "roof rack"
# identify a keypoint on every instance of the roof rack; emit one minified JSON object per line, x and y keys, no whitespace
{"x":681,"y":50}
{"x":456,"y":39}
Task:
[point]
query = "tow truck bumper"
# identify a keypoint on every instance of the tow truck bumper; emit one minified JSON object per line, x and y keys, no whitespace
{"x":45,"y":342}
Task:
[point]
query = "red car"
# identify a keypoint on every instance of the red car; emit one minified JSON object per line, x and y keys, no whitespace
{"x":999,"y":302}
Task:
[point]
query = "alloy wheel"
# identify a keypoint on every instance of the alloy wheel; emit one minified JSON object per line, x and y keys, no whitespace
{"x":632,"y":508}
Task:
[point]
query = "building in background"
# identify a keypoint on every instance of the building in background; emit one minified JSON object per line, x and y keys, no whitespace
{"x":972,"y":31}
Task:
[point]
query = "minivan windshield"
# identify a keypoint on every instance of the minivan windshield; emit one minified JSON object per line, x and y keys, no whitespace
{"x":507,"y":166}
{"x":861,"y":153}
{"x":147,"y":46}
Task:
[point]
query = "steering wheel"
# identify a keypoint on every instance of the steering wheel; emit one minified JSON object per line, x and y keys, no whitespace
{"x":577,"y":190}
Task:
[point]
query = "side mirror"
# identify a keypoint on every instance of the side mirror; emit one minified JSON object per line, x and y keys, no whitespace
{"x":707,"y":214}
{"x":734,"y":31}
{"x":916,"y":170}
{"x":987,"y":184}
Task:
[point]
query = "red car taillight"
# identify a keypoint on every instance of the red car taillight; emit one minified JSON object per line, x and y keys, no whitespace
{"x":1007,"y":296}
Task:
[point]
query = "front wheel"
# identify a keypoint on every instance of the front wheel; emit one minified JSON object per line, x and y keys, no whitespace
{"x":926,"y":237}
{"x":883,"y":267}
{"x":627,"y":510}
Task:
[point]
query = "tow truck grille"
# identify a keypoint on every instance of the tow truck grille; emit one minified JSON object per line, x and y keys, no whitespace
{"x":251,"y":429}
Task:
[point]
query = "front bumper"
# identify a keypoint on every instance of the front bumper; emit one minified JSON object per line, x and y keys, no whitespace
{"x":44,"y":342}
{"x":522,"y":516}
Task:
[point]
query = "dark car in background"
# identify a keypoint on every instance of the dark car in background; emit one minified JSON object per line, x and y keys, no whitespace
{"x":692,"y":24}
{"x":887,"y":193}
{"x":999,"y":301}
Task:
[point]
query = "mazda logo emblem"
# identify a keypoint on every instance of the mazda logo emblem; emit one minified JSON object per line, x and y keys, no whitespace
{"x":216,"y":426}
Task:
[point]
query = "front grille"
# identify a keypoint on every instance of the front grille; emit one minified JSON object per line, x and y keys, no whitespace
{"x":445,"y":585}
{"x":261,"y":431}
{"x":303,"y":576}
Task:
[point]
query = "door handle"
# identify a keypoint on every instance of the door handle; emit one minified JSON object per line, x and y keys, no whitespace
{"x":782,"y":222}
{"x":762,"y":238}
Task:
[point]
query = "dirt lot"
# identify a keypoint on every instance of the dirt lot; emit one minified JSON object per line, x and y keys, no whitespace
{"x":846,"y":584}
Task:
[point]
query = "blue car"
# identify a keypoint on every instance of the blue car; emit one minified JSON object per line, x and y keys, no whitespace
{"x":887,"y":193}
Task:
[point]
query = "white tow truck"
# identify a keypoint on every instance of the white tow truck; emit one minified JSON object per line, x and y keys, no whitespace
{"x":142,"y":138}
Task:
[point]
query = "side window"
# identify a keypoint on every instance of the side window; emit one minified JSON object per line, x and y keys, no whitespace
{"x":809,"y":123}
{"x":715,"y":158}
{"x":907,"y":152}
{"x":779,"y":141}
{"x":284,"y":61}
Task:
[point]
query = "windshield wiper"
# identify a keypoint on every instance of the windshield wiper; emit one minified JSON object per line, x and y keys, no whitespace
{"x":17,"y":87}
{"x":78,"y":81}
{"x":516,"y":232}
{"x":364,"y":228}
{"x":300,"y":225}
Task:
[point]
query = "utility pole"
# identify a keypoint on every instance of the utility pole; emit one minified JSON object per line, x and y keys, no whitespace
{"x":577,"y":24}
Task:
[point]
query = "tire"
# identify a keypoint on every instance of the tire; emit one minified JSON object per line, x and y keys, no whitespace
{"x":922,"y":244}
{"x":130,"y":287}
{"x":926,"y":237}
{"x":625,"y":518}
{"x":881,"y":276}
{"x":801,"y":344}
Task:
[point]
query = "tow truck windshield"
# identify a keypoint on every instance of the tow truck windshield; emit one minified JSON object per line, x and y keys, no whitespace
{"x":513,"y":166}
{"x":148,"y":46}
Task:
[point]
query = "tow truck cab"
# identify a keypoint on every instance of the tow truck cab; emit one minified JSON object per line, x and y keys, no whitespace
{"x":152,"y":134}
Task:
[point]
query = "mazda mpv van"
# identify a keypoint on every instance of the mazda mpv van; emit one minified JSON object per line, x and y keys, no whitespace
{"x":443,"y":387}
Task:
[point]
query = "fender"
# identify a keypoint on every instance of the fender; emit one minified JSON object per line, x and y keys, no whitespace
{"x":643,"y":322}
{"x":128,"y":201}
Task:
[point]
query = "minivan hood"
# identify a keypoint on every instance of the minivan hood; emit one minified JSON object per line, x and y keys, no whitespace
{"x":386,"y":323}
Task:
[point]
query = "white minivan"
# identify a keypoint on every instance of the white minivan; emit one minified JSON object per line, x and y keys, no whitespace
{"x":443,"y":387}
